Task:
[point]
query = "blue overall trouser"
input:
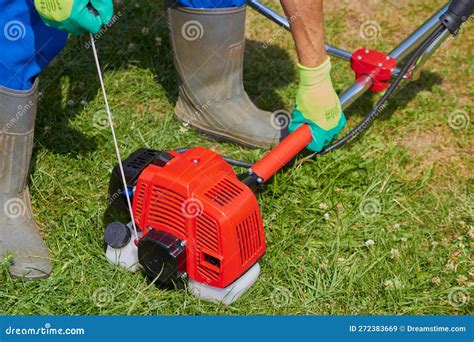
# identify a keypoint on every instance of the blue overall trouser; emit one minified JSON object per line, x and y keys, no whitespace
{"x":27,"y":45}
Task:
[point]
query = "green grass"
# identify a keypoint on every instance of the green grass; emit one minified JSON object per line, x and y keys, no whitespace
{"x":411,"y":164}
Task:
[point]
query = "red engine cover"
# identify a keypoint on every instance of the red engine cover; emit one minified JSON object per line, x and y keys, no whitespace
{"x":197,"y":197}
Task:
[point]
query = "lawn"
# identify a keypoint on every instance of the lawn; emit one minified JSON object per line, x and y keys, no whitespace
{"x":383,"y":226}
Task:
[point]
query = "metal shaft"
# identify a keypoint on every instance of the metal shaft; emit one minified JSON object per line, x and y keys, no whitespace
{"x":413,"y":41}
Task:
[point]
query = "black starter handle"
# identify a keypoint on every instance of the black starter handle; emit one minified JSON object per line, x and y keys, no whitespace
{"x":458,"y":12}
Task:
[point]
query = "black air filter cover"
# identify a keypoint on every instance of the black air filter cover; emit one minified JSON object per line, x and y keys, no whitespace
{"x":132,"y":167}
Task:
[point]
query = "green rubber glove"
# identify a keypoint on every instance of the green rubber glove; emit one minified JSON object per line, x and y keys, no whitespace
{"x":318,"y":105}
{"x":73,"y":16}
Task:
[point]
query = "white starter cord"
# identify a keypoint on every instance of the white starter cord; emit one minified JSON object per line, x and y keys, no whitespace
{"x":111,"y":124}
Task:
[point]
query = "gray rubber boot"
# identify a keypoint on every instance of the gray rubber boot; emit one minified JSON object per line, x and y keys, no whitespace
{"x":208,"y":47}
{"x":18,"y":231}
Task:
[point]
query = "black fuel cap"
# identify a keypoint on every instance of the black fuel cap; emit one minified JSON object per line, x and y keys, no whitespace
{"x":117,"y":235}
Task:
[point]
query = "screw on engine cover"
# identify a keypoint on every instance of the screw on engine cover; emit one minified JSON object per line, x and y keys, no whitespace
{"x":183,"y":243}
{"x":195,"y":161}
{"x":359,"y":57}
{"x":366,"y":50}
{"x":380,"y":65}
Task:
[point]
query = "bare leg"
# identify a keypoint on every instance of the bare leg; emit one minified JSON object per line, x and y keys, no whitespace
{"x":307,"y":26}
{"x":317,"y":103}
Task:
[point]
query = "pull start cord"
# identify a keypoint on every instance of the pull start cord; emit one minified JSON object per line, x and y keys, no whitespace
{"x":114,"y":137}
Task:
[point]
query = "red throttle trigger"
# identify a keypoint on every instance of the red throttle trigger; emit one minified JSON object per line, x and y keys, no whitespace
{"x":378,"y":65}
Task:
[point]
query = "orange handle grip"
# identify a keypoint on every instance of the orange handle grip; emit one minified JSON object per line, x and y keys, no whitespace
{"x":283,"y":153}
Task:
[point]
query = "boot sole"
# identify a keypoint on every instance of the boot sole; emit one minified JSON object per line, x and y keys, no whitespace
{"x":222,"y":136}
{"x":38,"y":275}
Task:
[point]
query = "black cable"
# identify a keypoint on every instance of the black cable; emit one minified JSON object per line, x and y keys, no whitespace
{"x":373,"y":114}
{"x":239,"y":163}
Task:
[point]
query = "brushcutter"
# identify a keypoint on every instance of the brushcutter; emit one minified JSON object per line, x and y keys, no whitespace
{"x":196,"y":223}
